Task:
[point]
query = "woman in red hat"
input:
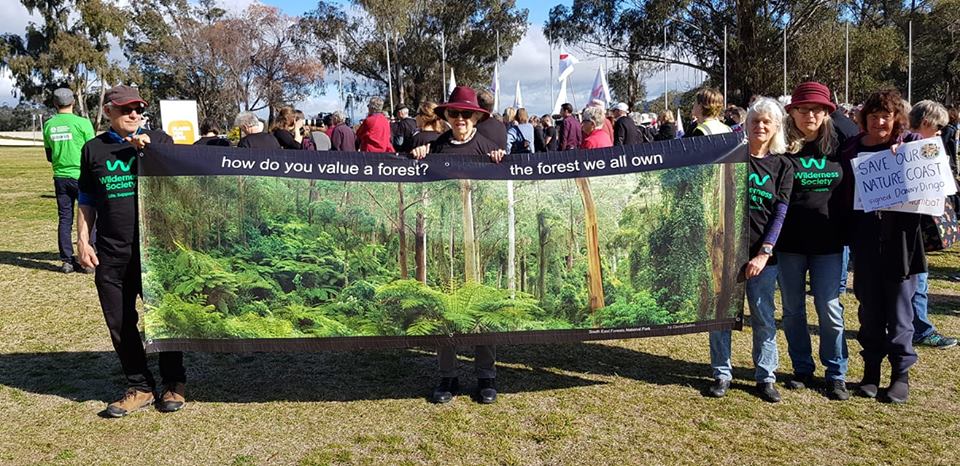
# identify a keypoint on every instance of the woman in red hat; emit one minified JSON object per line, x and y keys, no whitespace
{"x":463,"y":113}
{"x":812,"y":241}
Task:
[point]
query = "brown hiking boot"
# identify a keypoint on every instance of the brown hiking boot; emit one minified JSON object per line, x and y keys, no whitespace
{"x":131,"y":401}
{"x":172,"y":398}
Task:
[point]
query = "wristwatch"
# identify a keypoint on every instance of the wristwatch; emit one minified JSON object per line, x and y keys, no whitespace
{"x":766,"y":249}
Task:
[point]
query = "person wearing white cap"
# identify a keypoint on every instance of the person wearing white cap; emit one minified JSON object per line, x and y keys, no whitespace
{"x":625,"y":131}
{"x":63,"y":137}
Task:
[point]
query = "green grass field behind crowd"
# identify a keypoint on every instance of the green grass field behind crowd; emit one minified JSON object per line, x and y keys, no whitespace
{"x":616,"y":402}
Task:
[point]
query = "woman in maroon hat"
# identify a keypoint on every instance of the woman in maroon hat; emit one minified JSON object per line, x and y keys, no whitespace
{"x":812,"y":242}
{"x":462,"y":114}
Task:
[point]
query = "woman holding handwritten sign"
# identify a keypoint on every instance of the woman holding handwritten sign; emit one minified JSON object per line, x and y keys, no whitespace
{"x":889,"y":255}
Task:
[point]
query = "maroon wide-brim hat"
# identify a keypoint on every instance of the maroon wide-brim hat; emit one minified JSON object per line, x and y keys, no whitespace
{"x":462,"y":98}
{"x":811,"y":93}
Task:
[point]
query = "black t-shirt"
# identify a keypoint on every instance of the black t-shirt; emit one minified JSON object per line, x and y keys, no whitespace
{"x":422,"y":138}
{"x":478,"y":145}
{"x":771,"y":180}
{"x":212,"y":141}
{"x":494,"y":131}
{"x":551,"y":132}
{"x":814,"y":224}
{"x":538,"y":139}
{"x":108,"y":180}
{"x":259,"y":141}
{"x":286,"y":139}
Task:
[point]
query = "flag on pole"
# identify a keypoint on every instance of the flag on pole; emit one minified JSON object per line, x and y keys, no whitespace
{"x":495,"y":87}
{"x":679,"y":124}
{"x":566,"y":65}
{"x":453,"y":83}
{"x":600,"y":90}
{"x":561,"y":97}
{"x":517,"y":97}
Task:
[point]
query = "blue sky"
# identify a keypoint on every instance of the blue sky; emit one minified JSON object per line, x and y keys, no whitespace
{"x":529,"y":63}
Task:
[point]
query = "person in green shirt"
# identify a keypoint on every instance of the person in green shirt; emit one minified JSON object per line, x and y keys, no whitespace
{"x":63,"y":137}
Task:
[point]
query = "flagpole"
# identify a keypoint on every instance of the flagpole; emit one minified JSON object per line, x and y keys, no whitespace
{"x":784,"y":60}
{"x":846,"y":75}
{"x":443,"y":67}
{"x":665,"y":105}
{"x":910,"y":64}
{"x":724,"y":66}
{"x":553,"y":96}
{"x":496,"y":75}
{"x":340,"y":72}
{"x":386,"y":44}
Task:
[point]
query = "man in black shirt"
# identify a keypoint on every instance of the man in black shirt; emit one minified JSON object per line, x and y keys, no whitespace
{"x":108,"y":196}
{"x":403,"y":129}
{"x":625,"y":131}
{"x":491,"y":128}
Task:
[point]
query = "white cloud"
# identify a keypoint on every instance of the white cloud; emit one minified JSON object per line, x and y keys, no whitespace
{"x":15,"y":17}
{"x":6,"y":89}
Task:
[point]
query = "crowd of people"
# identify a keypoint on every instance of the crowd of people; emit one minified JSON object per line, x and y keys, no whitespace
{"x":798,"y":229}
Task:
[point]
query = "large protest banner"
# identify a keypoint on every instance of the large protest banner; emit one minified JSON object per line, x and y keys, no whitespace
{"x":261,"y":250}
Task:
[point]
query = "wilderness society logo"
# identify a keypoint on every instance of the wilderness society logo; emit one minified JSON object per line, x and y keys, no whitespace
{"x":121,"y":185}
{"x":757,"y":193}
{"x":817,"y":177}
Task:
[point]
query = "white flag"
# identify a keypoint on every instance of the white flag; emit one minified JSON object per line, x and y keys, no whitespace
{"x":561,"y":97}
{"x":453,"y":83}
{"x":566,"y":65}
{"x":679,"y":124}
{"x":600,"y":90}
{"x":517,"y":97}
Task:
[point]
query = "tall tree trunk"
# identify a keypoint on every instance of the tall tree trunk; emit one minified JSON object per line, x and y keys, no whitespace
{"x":594,"y":278}
{"x":452,"y":249}
{"x":512,"y":240}
{"x":726,"y":237}
{"x":103,"y":92}
{"x":420,"y":249}
{"x":471,"y":272}
{"x":402,"y":233}
{"x":543,"y":235}
{"x":312,"y":198}
{"x":523,"y":271}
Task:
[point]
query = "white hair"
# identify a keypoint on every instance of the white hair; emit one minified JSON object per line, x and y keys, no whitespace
{"x":770,"y":108}
{"x":934,"y":114}
{"x":595,"y":115}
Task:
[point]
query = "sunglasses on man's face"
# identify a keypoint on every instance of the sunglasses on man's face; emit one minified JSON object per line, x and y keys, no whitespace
{"x":128,"y":109}
{"x":466,"y":114}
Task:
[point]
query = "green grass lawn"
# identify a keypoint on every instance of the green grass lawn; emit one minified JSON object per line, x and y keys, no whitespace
{"x":617,"y":402}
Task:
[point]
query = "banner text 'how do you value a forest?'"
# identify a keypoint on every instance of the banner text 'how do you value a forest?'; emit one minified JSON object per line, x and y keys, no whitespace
{"x":259,"y":250}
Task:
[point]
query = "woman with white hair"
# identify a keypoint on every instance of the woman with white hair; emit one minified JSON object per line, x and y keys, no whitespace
{"x":770,"y":183}
{"x":594,"y":136}
{"x":251,"y":130}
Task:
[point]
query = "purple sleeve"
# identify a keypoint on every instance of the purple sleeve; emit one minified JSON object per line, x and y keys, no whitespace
{"x":776,"y":223}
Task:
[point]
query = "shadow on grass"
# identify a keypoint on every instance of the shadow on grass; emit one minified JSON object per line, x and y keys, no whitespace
{"x":31,"y":260}
{"x":944,"y":304}
{"x":266,"y":377}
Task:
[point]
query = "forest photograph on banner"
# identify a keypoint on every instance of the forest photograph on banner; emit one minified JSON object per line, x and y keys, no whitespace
{"x":379,"y":250}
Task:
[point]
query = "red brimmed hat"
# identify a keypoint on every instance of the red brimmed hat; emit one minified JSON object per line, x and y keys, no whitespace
{"x":462,"y":98}
{"x":123,"y":95}
{"x":811,"y":93}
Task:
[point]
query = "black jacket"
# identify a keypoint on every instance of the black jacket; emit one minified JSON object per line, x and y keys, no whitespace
{"x":625,"y":132}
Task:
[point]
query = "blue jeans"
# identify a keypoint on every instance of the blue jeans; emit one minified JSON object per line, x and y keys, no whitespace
{"x":825,"y":269}
{"x":765,"y":357}
{"x":66,"y":190}
{"x":922,"y":327}
{"x":844,"y":269}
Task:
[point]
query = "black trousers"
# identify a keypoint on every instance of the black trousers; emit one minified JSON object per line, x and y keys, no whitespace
{"x":66,"y":190}
{"x":886,"y":312}
{"x":118,"y":284}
